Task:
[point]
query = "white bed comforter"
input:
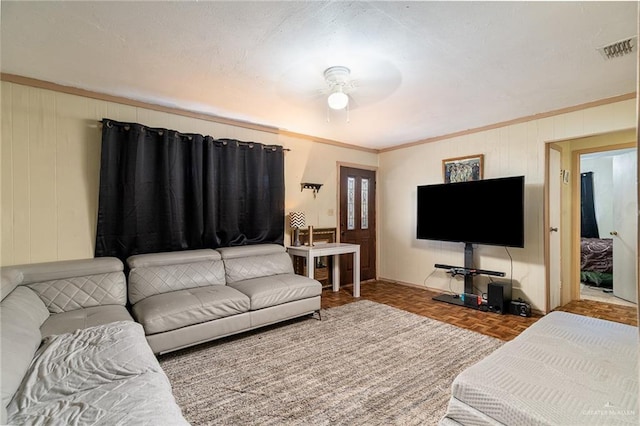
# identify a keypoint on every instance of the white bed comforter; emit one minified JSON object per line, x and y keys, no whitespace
{"x":104,"y":375}
{"x":565,"y":369}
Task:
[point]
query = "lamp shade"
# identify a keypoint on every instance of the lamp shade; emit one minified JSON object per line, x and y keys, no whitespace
{"x":297,"y":219}
{"x":338,"y":99}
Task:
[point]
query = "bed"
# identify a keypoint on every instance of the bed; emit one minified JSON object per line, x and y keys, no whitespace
{"x":565,"y":369}
{"x":596,"y":262}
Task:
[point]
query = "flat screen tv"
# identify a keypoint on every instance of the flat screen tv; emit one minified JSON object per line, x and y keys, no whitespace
{"x":489,"y":211}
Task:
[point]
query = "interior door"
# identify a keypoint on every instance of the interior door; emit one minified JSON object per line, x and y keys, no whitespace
{"x":625,"y":208}
{"x":358,"y":221}
{"x":555,"y":199}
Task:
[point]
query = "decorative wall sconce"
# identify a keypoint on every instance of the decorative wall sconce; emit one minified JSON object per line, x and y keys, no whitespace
{"x":314,"y":186}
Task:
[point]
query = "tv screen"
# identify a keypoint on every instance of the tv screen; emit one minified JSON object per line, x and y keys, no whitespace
{"x":489,"y":211}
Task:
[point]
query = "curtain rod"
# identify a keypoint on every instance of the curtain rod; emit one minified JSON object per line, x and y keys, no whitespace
{"x":101,"y":123}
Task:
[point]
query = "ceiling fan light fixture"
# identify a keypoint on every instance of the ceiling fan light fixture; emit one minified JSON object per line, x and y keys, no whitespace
{"x":338,"y":99}
{"x":338,"y":80}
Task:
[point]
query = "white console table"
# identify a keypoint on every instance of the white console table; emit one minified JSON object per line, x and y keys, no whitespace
{"x":331,"y":249}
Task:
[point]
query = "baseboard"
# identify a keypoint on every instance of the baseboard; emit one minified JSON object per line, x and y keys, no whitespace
{"x":406,"y":284}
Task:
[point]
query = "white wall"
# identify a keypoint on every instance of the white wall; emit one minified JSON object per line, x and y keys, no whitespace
{"x":516,"y":149}
{"x":601,"y":164}
{"x":50,"y":160}
{"x":50,"y":153}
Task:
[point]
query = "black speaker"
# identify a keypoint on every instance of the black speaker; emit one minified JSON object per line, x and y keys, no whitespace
{"x":499,"y":297}
{"x":520,"y":307}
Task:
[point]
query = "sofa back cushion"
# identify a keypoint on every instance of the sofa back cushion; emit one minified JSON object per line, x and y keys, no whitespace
{"x":21,"y":315}
{"x":74,"y":284}
{"x":247,"y":262}
{"x":160,"y":273}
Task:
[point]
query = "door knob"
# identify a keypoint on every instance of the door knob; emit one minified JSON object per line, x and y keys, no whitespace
{"x":553,"y":229}
{"x":613,"y":233}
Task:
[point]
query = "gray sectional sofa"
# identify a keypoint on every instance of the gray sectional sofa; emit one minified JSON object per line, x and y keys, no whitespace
{"x":71,"y":353}
{"x":189,"y":297}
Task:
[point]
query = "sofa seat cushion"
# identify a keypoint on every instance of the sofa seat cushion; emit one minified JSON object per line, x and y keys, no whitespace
{"x":278,"y":289}
{"x":67,"y":322}
{"x":176,"y":309}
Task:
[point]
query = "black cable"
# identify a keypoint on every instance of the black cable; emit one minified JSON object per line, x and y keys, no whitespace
{"x":424,"y":282}
{"x":511,"y":262}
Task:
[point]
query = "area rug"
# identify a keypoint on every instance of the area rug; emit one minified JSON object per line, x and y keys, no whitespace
{"x":364,"y":364}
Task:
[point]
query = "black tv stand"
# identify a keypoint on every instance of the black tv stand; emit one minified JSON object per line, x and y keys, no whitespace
{"x":452,"y":299}
{"x":468,"y":271}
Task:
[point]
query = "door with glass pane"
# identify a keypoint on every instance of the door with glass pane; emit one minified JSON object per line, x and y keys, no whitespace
{"x":358,"y":221}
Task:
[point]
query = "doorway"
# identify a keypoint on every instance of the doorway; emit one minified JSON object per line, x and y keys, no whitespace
{"x":358,"y":220}
{"x":608,"y":227}
{"x":567,"y":173}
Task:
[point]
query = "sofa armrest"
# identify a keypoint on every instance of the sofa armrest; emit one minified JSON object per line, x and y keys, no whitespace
{"x":10,"y":278}
{"x":21,"y":315}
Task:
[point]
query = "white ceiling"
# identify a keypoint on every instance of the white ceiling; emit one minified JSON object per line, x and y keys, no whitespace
{"x":421,"y":69}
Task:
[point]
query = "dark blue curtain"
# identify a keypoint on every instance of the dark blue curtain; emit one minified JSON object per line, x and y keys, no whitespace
{"x":588,"y":225}
{"x":161,"y":190}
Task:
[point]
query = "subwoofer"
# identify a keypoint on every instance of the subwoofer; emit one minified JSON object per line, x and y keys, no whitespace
{"x":499,"y":297}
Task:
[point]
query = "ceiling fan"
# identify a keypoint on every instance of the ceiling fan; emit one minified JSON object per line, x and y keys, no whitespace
{"x":338,"y":79}
{"x":362,"y":81}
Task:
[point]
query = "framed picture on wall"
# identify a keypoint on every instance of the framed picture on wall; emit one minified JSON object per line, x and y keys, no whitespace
{"x":462,"y":169}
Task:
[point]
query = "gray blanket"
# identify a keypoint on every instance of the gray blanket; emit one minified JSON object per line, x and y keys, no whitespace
{"x":99,"y":375}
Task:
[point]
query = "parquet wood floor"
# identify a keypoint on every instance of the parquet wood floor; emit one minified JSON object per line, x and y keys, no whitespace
{"x":608,"y":311}
{"x":505,"y":327}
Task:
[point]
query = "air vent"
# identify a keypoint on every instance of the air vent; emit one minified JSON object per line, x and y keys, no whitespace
{"x":619,"y":48}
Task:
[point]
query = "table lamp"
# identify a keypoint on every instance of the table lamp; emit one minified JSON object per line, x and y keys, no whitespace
{"x":297,"y":222}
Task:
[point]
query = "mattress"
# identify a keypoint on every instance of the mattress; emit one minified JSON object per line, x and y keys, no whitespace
{"x":566,"y":369}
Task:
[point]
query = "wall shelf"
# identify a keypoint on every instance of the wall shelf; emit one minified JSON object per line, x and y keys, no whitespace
{"x":314,"y":186}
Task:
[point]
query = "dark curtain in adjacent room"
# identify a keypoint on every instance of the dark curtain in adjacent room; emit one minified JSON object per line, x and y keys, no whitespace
{"x":588,"y":223}
{"x":161,"y":190}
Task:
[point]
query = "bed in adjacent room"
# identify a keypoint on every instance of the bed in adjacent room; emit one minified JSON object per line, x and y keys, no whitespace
{"x":596,"y":262}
